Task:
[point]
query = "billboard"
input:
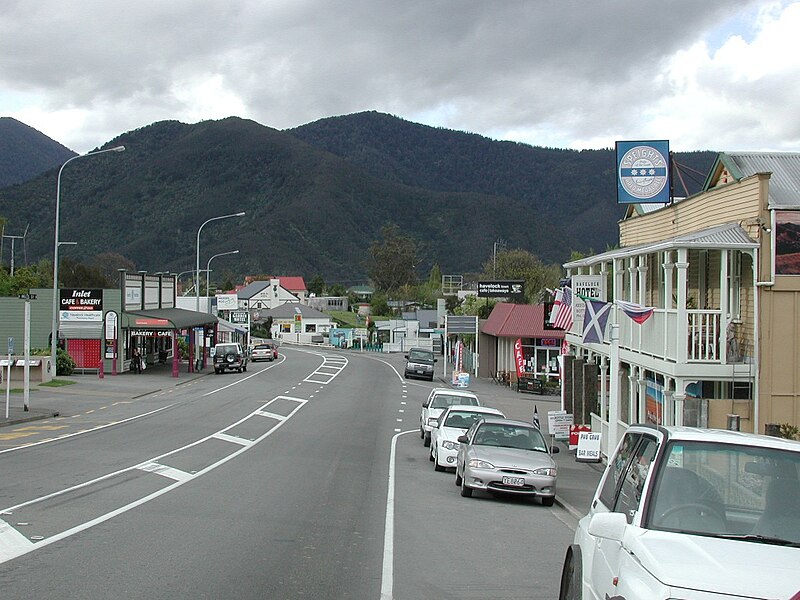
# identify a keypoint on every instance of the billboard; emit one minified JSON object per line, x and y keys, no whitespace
{"x":643,"y":172}
{"x":502,"y":289}
{"x":80,"y":305}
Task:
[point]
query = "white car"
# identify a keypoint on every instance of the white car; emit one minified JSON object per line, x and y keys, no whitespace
{"x":453,"y":422}
{"x":437,"y":401}
{"x":696,"y":514}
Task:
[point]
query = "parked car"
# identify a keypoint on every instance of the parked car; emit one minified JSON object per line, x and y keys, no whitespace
{"x":692,"y":514}
{"x":506,"y":456}
{"x":434,"y":405}
{"x":451,"y":424}
{"x":419,"y":363}
{"x":229,"y":357}
{"x":262,"y":352}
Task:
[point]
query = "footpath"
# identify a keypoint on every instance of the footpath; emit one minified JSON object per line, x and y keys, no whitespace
{"x":576,"y":480}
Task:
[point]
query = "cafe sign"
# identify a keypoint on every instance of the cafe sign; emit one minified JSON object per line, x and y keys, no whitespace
{"x":80,"y":305}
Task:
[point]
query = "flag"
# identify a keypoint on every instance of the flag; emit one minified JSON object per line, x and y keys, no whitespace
{"x":556,"y":304}
{"x":536,"y":418}
{"x":594,"y":321}
{"x":563,"y":320}
{"x":637,"y":312}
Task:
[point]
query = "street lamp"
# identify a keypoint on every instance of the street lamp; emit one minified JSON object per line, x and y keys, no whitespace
{"x":208,"y":268}
{"x":54,"y":329}
{"x":197,"y":261}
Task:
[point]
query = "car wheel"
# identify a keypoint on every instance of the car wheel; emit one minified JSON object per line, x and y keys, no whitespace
{"x":548,"y":501}
{"x":465,"y":491}
{"x":421,"y":433}
{"x":430,"y":378}
{"x":570,"y":577}
{"x":244,"y":368}
{"x":427,"y":441}
{"x":458,"y":477}
{"x":436,"y":465}
{"x":431,"y":457}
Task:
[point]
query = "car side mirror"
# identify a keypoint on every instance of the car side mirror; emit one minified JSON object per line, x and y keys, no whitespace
{"x":608,"y":525}
{"x":406,"y":355}
{"x":435,"y":360}
{"x":425,"y":405}
{"x":462,"y":439}
{"x":555,"y":449}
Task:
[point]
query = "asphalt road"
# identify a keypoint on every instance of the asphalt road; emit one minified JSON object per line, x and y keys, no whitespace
{"x":296,"y":479}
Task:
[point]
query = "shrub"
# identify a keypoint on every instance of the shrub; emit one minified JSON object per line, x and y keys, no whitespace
{"x":65,"y":365}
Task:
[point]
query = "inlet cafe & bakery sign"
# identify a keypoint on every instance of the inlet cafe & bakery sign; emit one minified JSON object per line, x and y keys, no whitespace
{"x":80,"y":305}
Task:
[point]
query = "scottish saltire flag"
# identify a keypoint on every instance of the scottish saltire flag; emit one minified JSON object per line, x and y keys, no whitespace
{"x":594,"y":321}
{"x":536,"y":418}
{"x":637,"y":312}
{"x":563,"y":319}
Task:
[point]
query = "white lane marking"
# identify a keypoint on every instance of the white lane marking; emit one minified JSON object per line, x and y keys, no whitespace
{"x":233,"y":439}
{"x":169,"y":472}
{"x":12,"y":541}
{"x":387,"y":575}
{"x":73,"y":434}
{"x":241,"y":379}
{"x":10,"y":548}
{"x":271,"y":415}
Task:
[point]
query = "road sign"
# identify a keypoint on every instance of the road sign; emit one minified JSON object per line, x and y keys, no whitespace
{"x":11,"y":345}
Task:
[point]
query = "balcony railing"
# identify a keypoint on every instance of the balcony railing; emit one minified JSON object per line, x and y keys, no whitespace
{"x":658,"y":335}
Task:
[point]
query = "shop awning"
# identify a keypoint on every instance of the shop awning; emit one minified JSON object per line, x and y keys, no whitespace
{"x":166,"y":318}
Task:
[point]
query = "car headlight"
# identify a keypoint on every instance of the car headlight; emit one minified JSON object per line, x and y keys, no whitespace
{"x":480,"y":464}
{"x":433,"y":421}
{"x":448,"y":445}
{"x":548,"y":471}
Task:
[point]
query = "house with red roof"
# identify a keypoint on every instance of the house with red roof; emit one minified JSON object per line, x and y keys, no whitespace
{"x":508,"y":323}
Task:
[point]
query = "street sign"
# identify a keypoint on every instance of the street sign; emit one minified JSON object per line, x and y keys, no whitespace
{"x":11,"y":345}
{"x":558,"y":424}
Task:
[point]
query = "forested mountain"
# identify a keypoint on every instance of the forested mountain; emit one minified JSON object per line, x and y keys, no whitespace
{"x":317,"y":196}
{"x":26,"y":152}
{"x":576,"y":189}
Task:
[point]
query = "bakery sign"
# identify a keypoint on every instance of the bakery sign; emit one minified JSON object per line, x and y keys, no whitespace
{"x":80,"y":305}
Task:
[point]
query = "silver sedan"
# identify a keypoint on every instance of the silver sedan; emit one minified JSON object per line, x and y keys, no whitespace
{"x":506,"y":456}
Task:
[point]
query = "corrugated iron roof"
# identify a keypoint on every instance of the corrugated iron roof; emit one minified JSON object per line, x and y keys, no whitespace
{"x":784,"y":183}
{"x":518,"y":321}
{"x":729,"y":235}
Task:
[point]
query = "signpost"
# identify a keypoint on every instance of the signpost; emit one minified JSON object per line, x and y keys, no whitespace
{"x":8,"y":377}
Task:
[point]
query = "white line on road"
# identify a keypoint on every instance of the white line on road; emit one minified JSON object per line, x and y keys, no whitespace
{"x":387,"y":575}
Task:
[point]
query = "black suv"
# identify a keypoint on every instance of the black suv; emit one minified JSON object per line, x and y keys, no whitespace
{"x":419,"y":363}
{"x":229,"y":357}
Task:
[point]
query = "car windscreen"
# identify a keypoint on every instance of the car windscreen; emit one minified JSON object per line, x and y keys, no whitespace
{"x":226,"y":348}
{"x":462,"y":419}
{"x":510,"y":436}
{"x":445,"y":400}
{"x":746,"y":492}
{"x":420,"y":355}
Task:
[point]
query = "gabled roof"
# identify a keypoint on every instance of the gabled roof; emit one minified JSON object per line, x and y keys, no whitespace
{"x":290,"y":309}
{"x":252,"y":289}
{"x":293,"y":284}
{"x":518,"y":321}
{"x":784,"y":181}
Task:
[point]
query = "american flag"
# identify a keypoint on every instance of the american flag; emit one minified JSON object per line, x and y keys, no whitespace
{"x":563,"y":319}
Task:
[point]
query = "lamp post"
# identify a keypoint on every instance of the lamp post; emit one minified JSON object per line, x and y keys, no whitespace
{"x":54,"y":329}
{"x":197,"y":261}
{"x":208,"y":268}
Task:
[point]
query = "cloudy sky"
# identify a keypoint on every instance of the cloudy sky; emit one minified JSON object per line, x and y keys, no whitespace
{"x":704,"y":74}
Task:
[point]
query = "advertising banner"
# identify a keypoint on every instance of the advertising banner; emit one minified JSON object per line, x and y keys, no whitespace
{"x":227,"y":301}
{"x":80,"y":305}
{"x":519,"y":358}
{"x":643,"y":172}
{"x":514,"y":290}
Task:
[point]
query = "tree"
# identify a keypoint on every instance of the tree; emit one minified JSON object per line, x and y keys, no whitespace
{"x":392,"y":260}
{"x":337,"y":289}
{"x":109,"y":263}
{"x":73,"y":274}
{"x":379,"y":306}
{"x":521,"y":264}
{"x":316,"y":286}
